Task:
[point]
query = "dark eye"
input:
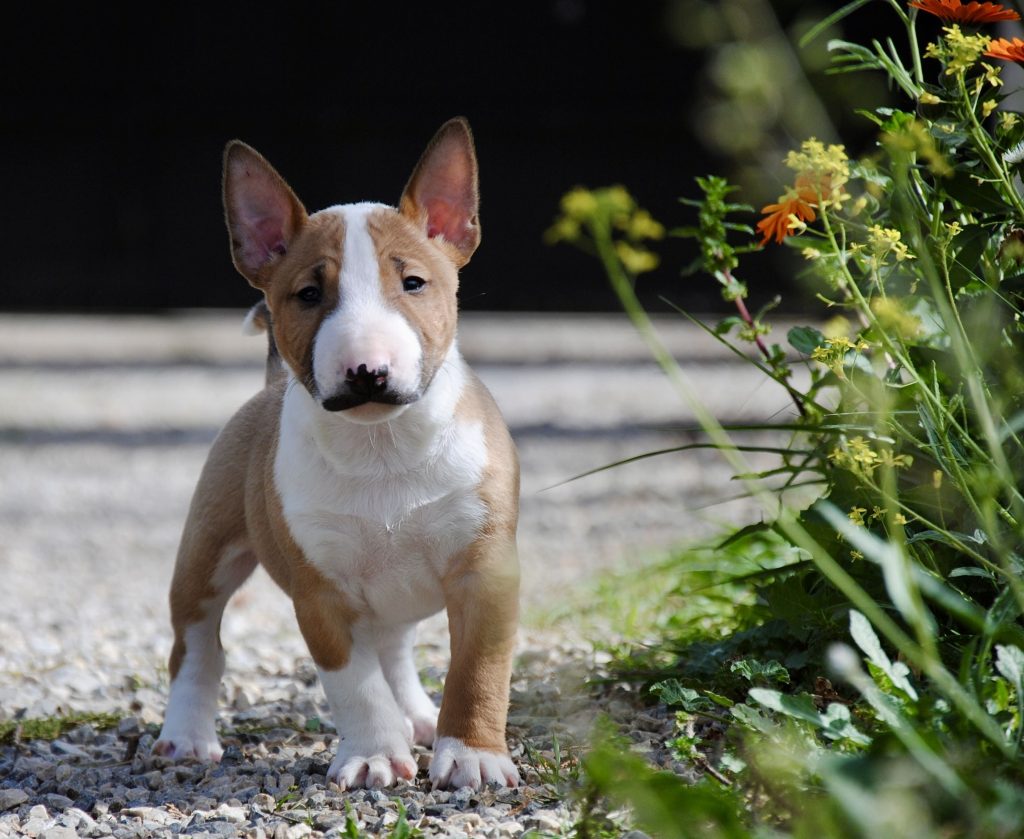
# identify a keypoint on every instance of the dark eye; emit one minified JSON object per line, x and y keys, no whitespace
{"x":413,"y":284}
{"x":311,"y":294}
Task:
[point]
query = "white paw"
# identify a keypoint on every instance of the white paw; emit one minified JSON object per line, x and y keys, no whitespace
{"x":423,"y":724}
{"x":363,"y":765}
{"x":184,"y":746}
{"x":457,"y":765}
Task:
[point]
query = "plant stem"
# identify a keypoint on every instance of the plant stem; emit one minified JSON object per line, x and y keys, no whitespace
{"x":745,"y":315}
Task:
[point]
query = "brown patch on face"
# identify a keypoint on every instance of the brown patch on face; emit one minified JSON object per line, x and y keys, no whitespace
{"x":404,"y":252}
{"x":302,"y":289}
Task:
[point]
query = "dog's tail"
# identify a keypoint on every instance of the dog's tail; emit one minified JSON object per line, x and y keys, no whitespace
{"x":257,"y":321}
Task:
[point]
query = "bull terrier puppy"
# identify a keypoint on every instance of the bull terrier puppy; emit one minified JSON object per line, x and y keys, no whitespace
{"x":373,"y":478}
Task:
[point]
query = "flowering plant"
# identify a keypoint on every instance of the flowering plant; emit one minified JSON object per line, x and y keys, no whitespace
{"x":908,"y":412}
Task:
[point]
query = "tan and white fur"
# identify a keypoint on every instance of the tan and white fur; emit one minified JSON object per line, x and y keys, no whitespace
{"x":373,"y":478}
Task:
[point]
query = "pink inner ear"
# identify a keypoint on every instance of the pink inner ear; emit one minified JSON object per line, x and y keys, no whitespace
{"x":261,"y":211}
{"x":444,"y":219}
{"x":260,"y":240}
{"x":270,"y":235}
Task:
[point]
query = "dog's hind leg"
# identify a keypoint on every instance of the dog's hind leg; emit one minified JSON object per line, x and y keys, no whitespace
{"x":395,"y":649}
{"x":204,"y":580}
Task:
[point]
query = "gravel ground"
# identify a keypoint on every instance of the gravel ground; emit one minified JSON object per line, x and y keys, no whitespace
{"x":104,"y":425}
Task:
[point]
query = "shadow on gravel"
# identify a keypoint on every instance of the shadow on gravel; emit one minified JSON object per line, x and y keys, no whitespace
{"x":272,"y":779}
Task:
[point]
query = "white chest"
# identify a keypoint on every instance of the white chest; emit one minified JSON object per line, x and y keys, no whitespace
{"x":380,"y":510}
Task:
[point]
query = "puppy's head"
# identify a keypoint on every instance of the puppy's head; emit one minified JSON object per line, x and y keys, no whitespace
{"x":362,"y":296}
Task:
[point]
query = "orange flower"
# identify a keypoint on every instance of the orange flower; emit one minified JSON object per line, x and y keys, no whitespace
{"x":777,"y":222}
{"x":965,"y":12}
{"x":1006,"y":50}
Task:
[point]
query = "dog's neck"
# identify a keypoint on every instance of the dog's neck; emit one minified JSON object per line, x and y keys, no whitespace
{"x":402,"y":444}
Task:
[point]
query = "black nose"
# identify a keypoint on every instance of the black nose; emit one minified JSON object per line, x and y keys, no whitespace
{"x":365,"y":382}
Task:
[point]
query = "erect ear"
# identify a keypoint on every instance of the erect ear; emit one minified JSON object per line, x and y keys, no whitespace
{"x":262,"y":212}
{"x":441,"y":196}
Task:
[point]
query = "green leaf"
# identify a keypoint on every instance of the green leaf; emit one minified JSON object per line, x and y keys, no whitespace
{"x":837,"y":725}
{"x":718,"y":699}
{"x":975,"y":194}
{"x":673,"y":692}
{"x":969,"y":245}
{"x":401,"y":830}
{"x":798,"y":706}
{"x":805,"y":339}
{"x":754,"y":671}
{"x":351,"y":825}
{"x":864,"y":635}
{"x":743,"y":533}
{"x":970,"y":571}
{"x":726,"y":325}
{"x":663,"y":804}
{"x":1010,"y":664}
{"x":750,"y":717}
{"x":732,"y":762}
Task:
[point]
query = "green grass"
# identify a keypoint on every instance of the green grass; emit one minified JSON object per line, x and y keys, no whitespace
{"x":52,"y":728}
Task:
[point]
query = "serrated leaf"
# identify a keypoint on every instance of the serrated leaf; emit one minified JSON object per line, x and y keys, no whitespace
{"x":754,"y":671}
{"x":751,"y":717}
{"x":673,"y":692}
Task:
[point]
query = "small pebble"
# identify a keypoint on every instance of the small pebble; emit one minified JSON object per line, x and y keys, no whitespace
{"x":59,"y":832}
{"x":10,"y":798}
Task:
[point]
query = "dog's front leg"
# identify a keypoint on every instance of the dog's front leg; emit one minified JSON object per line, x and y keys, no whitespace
{"x":373,"y":733}
{"x":482,"y":597}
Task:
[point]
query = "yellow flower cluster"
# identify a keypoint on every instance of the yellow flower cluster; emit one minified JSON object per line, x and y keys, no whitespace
{"x":858,"y":457}
{"x":637,"y":260}
{"x":856,"y":515}
{"x":990,"y":75}
{"x":825,"y":169}
{"x":885,"y":242}
{"x":833,"y":353}
{"x":615,"y":207}
{"x":959,"y":52}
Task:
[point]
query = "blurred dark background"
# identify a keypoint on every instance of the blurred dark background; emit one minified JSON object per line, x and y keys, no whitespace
{"x":114,"y":117}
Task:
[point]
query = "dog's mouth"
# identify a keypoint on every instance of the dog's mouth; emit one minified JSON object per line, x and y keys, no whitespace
{"x":347,"y":401}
